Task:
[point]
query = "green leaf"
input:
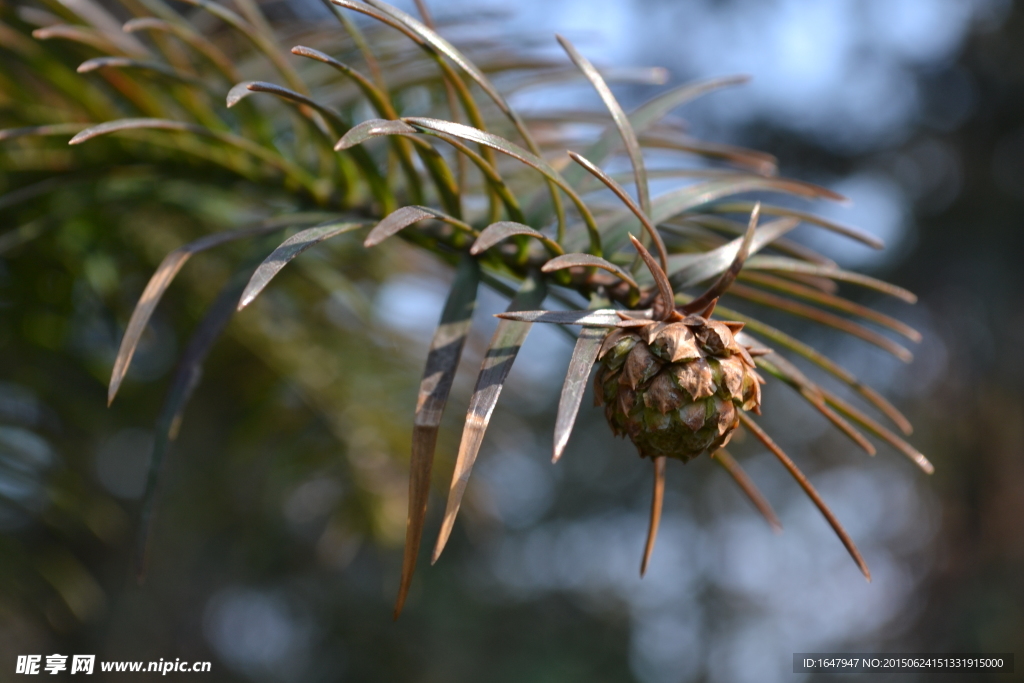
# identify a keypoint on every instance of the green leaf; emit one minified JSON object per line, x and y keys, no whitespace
{"x":186,"y":379}
{"x":80,"y":34}
{"x":376,"y":127}
{"x":690,"y":269}
{"x":265,"y":44}
{"x":657,"y":499}
{"x":271,"y":157}
{"x":767,"y":209}
{"x":822,"y":317}
{"x":442,"y":362}
{"x":583,"y":356}
{"x":832,"y":301}
{"x":502,"y":230}
{"x":501,"y":353}
{"x":97,"y":63}
{"x":588,"y":261}
{"x":728,"y":276}
{"x":622,"y":123}
{"x":788,"y":265}
{"x":183,"y":31}
{"x":649,"y":230}
{"x":878,"y":430}
{"x":289,"y":249}
{"x":404,"y":217}
{"x":161,"y":280}
{"x":781,"y":368}
{"x":746,"y":484}
{"x":649,"y":113}
{"x":42,"y":131}
{"x":819,"y":359}
{"x":513,"y":150}
{"x":791,"y":467}
{"x":607,"y":317}
{"x":362,"y":132}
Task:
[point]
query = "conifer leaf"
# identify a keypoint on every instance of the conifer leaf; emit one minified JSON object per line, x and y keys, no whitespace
{"x":42,"y":131}
{"x":704,"y":229}
{"x":805,"y":216}
{"x":77,"y":34}
{"x":641,"y":214}
{"x":513,"y":150}
{"x":788,"y":265}
{"x":583,"y":356}
{"x":746,"y":484}
{"x":649,"y":113}
{"x":690,"y":269}
{"x":502,"y":230}
{"x":381,"y":102}
{"x":289,"y":249}
{"x":442,"y":362}
{"x":264,"y":43}
{"x":606,"y":317}
{"x":587,"y":260}
{"x":622,"y":123}
{"x":779,"y":367}
{"x":878,"y":430}
{"x":271,"y":157}
{"x":686,"y":198}
{"x":811,"y":492}
{"x":186,"y":378}
{"x":108,"y":127}
{"x":482,"y":137}
{"x":728,"y":276}
{"x":377,"y":97}
{"x":376,"y":127}
{"x":402,"y":218}
{"x":161,"y":280}
{"x":822,"y":361}
{"x":186,"y":34}
{"x":450,"y":94}
{"x":690,"y":197}
{"x":643,"y":75}
{"x":832,"y":301}
{"x":760,"y":163}
{"x":96,"y":63}
{"x":822,"y":317}
{"x":99,"y":17}
{"x":657,"y":500}
{"x":439,"y":46}
{"x":362,"y":132}
{"x":243,"y":89}
{"x":665,"y":293}
{"x":501,"y":353}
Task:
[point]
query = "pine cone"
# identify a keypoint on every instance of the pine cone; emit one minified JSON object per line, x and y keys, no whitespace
{"x":675,"y":388}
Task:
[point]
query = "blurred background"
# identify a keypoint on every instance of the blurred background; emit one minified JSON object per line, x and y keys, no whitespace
{"x":277,"y":547}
